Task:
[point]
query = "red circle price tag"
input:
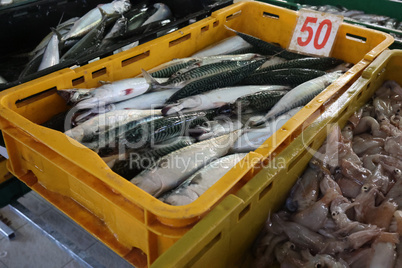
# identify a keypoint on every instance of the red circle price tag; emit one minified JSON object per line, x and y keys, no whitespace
{"x":315,"y":32}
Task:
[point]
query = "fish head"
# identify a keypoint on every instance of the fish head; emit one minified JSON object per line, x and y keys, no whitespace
{"x":89,"y":103}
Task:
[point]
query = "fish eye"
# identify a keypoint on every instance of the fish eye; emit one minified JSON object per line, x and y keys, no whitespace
{"x":318,"y":265}
{"x":292,"y":246}
{"x":397,"y":171}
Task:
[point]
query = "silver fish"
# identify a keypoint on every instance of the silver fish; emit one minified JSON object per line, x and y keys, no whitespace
{"x":215,"y":98}
{"x":117,"y":91}
{"x":225,"y":46}
{"x":150,"y":100}
{"x":62,"y":28}
{"x":2,"y":80}
{"x":174,"y":168}
{"x":126,"y":47}
{"x":107,"y":121}
{"x":254,"y":138}
{"x":300,"y":95}
{"x":94,"y":17}
{"x":118,"y":29}
{"x":216,"y":128}
{"x":163,"y":12}
{"x":51,"y":56}
{"x":72,"y":96}
{"x":165,"y":70}
{"x":215,"y":59}
{"x":272,"y":61}
{"x":201,"y":181}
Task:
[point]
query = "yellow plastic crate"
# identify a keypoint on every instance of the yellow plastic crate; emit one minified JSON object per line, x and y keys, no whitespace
{"x":5,"y":175}
{"x":224,"y":237}
{"x":75,"y":179}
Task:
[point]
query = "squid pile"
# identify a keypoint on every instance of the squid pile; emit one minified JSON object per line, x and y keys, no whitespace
{"x":176,"y":129}
{"x":345,"y":210}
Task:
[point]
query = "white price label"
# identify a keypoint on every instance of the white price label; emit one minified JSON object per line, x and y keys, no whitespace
{"x":315,"y":32}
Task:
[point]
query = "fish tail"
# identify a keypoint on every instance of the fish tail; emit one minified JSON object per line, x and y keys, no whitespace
{"x":57,"y":33}
{"x":103,"y":12}
{"x":153,"y":83}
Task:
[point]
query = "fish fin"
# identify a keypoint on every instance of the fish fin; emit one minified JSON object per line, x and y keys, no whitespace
{"x":65,"y":94}
{"x":150,"y":80}
{"x":103,"y":12}
{"x":56,"y":32}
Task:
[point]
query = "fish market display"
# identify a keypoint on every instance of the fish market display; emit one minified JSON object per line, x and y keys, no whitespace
{"x":203,"y":179}
{"x":345,"y":210}
{"x":177,"y":128}
{"x":361,"y":16}
{"x":110,"y":27}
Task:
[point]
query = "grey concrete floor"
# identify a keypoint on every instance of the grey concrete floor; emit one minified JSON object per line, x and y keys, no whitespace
{"x":45,"y":237}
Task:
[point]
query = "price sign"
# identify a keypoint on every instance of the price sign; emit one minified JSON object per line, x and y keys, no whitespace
{"x":315,"y":32}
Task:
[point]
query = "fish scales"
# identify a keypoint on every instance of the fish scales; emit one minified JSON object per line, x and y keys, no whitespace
{"x":199,"y":182}
{"x":267,"y":48}
{"x":216,"y":59}
{"x":168,"y":173}
{"x":206,"y":70}
{"x":169,"y":71}
{"x":293,"y":76}
{"x":260,"y":101}
{"x":139,"y":160}
{"x":215,"y":98}
{"x":300,"y":95}
{"x":222,"y":79}
{"x":167,"y":127}
{"x":106,"y":137}
{"x":322,"y":64}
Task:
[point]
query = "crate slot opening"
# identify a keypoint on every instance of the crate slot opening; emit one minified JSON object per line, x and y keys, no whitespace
{"x":265,"y":191}
{"x":179,"y":40}
{"x":342,"y":114}
{"x":360,"y":95}
{"x":204,"y":29}
{"x":233,"y":16}
{"x":244,"y":212}
{"x":270,"y":15}
{"x":99,"y":72}
{"x":215,"y":24}
{"x":135,"y":58}
{"x":78,"y":81}
{"x":357,"y":38}
{"x":300,"y":156}
{"x":36,"y":97}
{"x":204,"y":250}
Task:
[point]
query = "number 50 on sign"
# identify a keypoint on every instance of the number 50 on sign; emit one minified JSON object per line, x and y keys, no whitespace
{"x":315,"y":32}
